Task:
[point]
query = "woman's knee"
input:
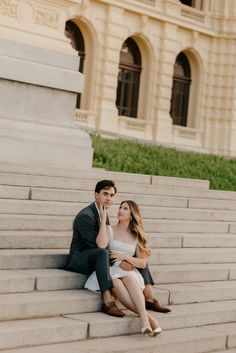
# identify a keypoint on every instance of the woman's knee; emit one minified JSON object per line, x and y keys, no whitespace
{"x":117,"y":285}
{"x":130,"y":280}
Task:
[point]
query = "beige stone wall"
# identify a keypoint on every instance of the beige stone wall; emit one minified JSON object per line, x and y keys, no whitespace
{"x":162,"y":29}
{"x":39,"y":83}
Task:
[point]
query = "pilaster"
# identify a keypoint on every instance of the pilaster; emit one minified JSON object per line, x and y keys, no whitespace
{"x":109,"y":67}
{"x":163,"y":129}
{"x":219,"y":100}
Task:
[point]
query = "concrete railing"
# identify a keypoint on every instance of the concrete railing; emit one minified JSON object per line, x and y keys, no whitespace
{"x":192,"y":13}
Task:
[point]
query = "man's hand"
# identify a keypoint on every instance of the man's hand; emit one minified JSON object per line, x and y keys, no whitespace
{"x":126,"y":266}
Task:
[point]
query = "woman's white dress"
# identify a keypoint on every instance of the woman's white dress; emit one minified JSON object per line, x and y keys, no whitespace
{"x":115,"y":270}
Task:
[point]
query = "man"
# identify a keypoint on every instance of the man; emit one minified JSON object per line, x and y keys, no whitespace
{"x":85,"y":256}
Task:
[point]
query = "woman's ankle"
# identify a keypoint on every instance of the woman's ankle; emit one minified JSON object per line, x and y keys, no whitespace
{"x":145,"y":322}
{"x":153,"y":323}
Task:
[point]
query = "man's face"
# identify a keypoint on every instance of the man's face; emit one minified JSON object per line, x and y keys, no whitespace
{"x":105,"y":197}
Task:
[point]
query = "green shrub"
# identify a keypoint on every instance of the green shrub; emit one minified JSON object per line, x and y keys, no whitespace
{"x":133,"y":157}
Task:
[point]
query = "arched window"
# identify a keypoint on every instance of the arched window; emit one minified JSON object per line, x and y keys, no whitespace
{"x":73,"y":32}
{"x":197,"y":4}
{"x":180,"y":90}
{"x":128,"y":79}
{"x":187,"y":2}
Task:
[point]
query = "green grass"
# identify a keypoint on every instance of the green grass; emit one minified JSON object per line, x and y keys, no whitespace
{"x":132,"y":157}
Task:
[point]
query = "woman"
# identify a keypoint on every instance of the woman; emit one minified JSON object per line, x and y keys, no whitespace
{"x":126,"y":239}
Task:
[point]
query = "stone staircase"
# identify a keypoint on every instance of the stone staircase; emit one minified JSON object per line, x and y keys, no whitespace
{"x":193,"y":239}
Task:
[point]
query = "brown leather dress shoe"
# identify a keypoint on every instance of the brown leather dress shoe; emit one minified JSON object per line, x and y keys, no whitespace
{"x":112,"y":309}
{"x":156,"y":306}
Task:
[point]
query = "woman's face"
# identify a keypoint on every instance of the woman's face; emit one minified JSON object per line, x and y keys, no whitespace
{"x":124,"y":212}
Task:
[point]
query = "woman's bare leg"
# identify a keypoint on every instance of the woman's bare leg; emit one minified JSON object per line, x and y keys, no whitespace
{"x":122,"y":294}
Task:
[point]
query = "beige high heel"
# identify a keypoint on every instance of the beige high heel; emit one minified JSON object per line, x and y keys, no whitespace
{"x":146,"y":331}
{"x":156,"y":331}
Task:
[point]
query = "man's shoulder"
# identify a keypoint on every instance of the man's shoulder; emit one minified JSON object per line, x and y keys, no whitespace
{"x":89,"y":210}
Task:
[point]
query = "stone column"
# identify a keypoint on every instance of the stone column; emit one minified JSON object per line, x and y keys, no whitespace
{"x":219,"y":119}
{"x":165,"y":78}
{"x":111,"y":39}
{"x":39,"y":82}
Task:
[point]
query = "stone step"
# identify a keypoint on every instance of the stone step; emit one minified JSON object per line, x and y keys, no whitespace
{"x":50,"y":280}
{"x":61,"y":240}
{"x":211,"y":204}
{"x":191,"y":240}
{"x":56,"y":258}
{"x":35,"y":222}
{"x":45,"y":194}
{"x":48,"y":194}
{"x":55,"y":279}
{"x":15,"y":281}
{"x":18,"y":306}
{"x":227,"y":351}
{"x":28,"y":207}
{"x":210,"y":240}
{"x":230,"y":330}
{"x":127,"y":187}
{"x":182,"y":316}
{"x":64,"y":223}
{"x":14,"y":192}
{"x":192,"y":255}
{"x":96,"y":173}
{"x":187,"y":226}
{"x":23,"y":333}
{"x":197,"y":340}
{"x":20,"y":281}
{"x":26,"y":259}
{"x":162,"y":274}
{"x":28,"y":280}
{"x":200,"y":292}
{"x":193,"y":273}
{"x":34,"y":239}
{"x":100,"y":325}
{"x":92,"y":174}
{"x":198,"y":314}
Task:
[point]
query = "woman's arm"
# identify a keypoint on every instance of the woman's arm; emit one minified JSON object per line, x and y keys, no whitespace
{"x":139,"y":261}
{"x":103,"y":235}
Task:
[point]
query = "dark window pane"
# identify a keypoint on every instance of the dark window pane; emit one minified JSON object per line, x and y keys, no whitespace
{"x":73,"y":32}
{"x":187,"y":2}
{"x":180,"y":90}
{"x":128,"y":79}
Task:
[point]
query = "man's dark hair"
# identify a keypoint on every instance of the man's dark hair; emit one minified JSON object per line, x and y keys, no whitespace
{"x":105,"y":184}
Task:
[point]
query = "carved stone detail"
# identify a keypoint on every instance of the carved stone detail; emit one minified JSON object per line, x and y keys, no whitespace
{"x":25,"y":12}
{"x":45,"y":17}
{"x":8,"y":8}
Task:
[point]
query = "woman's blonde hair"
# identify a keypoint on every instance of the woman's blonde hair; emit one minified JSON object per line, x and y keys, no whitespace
{"x":136,"y":225}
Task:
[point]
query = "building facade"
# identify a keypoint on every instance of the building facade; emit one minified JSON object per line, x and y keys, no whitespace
{"x":161,"y":71}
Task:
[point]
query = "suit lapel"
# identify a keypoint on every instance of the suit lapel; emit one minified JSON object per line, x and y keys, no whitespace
{"x":95,"y":212}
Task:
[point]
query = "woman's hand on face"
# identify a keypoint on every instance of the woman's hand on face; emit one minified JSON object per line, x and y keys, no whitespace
{"x":103,"y":212}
